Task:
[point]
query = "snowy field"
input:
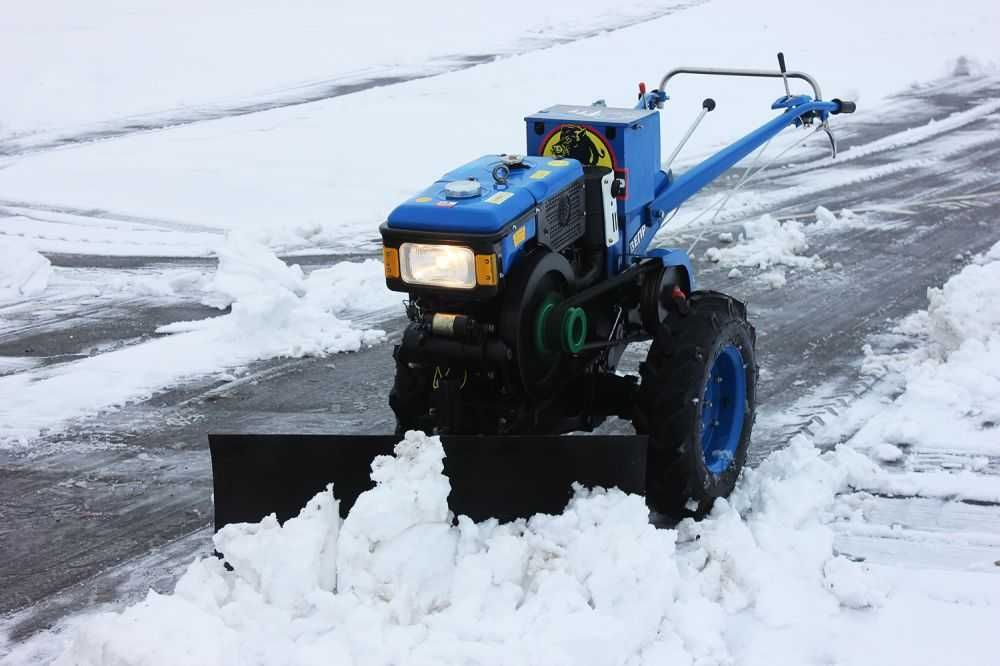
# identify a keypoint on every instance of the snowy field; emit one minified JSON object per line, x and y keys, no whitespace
{"x":189,"y":201}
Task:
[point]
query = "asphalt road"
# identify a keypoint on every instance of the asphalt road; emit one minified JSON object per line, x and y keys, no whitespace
{"x":121,"y":502}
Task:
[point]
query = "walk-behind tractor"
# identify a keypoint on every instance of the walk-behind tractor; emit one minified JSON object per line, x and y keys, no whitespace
{"x":526,"y":277}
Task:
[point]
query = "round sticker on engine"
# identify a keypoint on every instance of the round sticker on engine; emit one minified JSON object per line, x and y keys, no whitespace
{"x":579,"y":143}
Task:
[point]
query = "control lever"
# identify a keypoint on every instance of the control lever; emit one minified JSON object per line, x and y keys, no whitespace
{"x":784,"y":73}
{"x":706,"y":106}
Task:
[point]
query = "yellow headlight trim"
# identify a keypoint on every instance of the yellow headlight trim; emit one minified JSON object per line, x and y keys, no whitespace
{"x":390,"y":257}
{"x":486,"y":269}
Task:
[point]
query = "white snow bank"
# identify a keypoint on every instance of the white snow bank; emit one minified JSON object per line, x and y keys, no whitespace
{"x":758,"y":581}
{"x":951,"y":379}
{"x":23,"y":271}
{"x":250,"y":274}
{"x":397,"y":582}
{"x":276,"y":312}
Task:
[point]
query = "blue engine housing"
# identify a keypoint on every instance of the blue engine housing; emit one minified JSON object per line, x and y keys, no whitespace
{"x":499,"y":204}
{"x":507,"y":213}
{"x":624,"y":140}
{"x":561,"y":141}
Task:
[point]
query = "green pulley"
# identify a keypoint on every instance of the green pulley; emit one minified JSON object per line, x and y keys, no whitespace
{"x":574,"y":330}
{"x":571,"y":332}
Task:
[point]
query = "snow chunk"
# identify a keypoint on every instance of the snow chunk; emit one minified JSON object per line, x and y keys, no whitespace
{"x":250,"y":272}
{"x":853,"y":584}
{"x":888,"y":453}
{"x":827,"y":221}
{"x":23,"y":271}
{"x":397,"y":543}
{"x":956,"y":312}
{"x":284,"y":563}
{"x":765,"y":242}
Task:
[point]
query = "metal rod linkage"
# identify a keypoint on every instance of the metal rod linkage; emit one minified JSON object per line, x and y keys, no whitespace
{"x":706,"y":106}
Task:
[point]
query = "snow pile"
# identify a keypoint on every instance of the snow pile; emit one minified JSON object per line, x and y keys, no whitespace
{"x":828,"y":221}
{"x":952,"y":377}
{"x":771,"y":246}
{"x":276,"y":311}
{"x":397,"y":582}
{"x":23,"y":271}
{"x":959,"y":312}
{"x":766,"y":244}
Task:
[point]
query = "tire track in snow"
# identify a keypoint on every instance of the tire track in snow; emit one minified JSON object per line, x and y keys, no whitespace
{"x":305,"y":93}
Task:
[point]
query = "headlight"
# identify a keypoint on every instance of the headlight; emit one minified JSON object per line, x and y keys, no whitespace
{"x":438,"y":265}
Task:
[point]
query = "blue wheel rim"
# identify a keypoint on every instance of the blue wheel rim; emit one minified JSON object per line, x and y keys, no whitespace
{"x":722,"y":410}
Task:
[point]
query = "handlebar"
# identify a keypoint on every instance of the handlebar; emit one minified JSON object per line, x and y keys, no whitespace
{"x":843,"y":106}
{"x":712,"y":71}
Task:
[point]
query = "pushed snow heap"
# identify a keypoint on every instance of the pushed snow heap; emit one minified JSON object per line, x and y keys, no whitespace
{"x":277,"y":310}
{"x":398,"y":582}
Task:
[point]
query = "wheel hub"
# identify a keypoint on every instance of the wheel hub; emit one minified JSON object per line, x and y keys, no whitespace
{"x":722,"y":409}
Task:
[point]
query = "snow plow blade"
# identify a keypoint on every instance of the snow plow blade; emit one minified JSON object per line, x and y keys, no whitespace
{"x":491,"y":477}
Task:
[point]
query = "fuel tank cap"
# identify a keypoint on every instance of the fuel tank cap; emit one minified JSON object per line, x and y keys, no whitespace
{"x":463,"y":189}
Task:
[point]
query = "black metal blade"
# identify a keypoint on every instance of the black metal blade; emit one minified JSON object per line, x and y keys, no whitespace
{"x":491,"y":477}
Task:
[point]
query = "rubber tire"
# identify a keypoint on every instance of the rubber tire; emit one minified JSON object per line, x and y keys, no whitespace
{"x":673,"y":379}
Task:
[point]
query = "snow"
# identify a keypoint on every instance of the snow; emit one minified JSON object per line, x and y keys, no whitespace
{"x":313,"y":164}
{"x":23,"y":271}
{"x":399,"y":581}
{"x":886,"y":452}
{"x":85,"y":232}
{"x":952,"y":376}
{"x":769,"y":576}
{"x":145,"y":58}
{"x":276,"y":311}
{"x":766,"y":242}
{"x":772,"y":246}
